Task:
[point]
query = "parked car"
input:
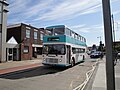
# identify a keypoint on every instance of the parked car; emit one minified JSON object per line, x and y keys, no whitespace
{"x":88,"y":52}
{"x":118,"y":55}
{"x":92,"y":51}
{"x":96,"y":54}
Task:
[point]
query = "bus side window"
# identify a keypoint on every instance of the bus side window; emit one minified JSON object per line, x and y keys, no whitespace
{"x":73,"y":50}
{"x":83,"y":50}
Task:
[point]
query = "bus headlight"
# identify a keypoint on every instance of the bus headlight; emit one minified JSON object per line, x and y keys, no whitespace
{"x":44,"y":59}
{"x":60,"y":60}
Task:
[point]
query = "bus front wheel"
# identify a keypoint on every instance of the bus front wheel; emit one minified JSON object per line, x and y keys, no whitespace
{"x":83,"y":57}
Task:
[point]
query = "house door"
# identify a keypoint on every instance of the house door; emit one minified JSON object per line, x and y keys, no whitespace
{"x":15,"y":54}
{"x":12,"y":54}
{"x":34,"y":51}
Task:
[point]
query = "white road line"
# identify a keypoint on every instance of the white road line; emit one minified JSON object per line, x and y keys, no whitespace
{"x":88,"y":76}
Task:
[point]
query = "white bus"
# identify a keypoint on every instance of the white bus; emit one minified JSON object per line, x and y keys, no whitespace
{"x":63,"y":47}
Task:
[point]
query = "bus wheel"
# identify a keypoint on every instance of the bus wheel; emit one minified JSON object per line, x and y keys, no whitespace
{"x":73,"y":62}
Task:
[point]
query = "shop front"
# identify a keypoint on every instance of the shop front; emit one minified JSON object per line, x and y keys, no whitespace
{"x":12,"y":50}
{"x":37,"y":50}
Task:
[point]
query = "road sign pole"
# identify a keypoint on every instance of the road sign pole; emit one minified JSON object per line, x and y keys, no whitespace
{"x":109,"y":45}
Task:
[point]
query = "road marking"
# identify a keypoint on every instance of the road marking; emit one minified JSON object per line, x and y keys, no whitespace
{"x":88,"y":76}
{"x":71,"y":85}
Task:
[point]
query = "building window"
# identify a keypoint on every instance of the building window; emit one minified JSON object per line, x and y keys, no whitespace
{"x":41,"y":36}
{"x":35,"y":35}
{"x":27,"y":33}
{"x":26,"y":49}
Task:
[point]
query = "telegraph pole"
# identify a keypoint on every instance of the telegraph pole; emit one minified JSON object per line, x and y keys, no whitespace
{"x":109,"y":45}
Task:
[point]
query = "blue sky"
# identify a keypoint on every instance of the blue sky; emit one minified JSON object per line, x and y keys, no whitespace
{"x":82,"y":16}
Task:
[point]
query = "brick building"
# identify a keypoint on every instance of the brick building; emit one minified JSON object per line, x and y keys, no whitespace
{"x":24,"y":42}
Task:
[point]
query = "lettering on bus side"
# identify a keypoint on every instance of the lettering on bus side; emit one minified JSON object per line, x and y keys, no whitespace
{"x":53,"y":39}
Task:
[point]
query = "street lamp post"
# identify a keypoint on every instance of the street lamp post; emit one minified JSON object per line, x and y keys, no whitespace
{"x":100,"y":44}
{"x":117,"y":25}
{"x":113,"y":29}
{"x":99,"y":37}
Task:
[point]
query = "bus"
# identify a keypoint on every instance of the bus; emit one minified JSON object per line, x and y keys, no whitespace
{"x":63,"y":47}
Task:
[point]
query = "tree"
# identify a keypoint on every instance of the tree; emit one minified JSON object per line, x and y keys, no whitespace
{"x":117,"y":47}
{"x":94,"y":47}
{"x":100,"y":48}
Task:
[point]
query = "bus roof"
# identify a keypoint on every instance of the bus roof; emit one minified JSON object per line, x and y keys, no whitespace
{"x":56,"y":26}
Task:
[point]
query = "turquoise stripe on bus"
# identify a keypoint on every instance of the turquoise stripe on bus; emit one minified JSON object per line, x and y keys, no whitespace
{"x":64,"y":38}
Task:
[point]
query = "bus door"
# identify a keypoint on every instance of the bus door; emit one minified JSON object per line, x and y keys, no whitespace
{"x":68,"y":54}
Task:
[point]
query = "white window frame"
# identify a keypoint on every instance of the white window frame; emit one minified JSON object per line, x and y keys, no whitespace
{"x":27,"y":33}
{"x":41,"y":36}
{"x":35,"y":35}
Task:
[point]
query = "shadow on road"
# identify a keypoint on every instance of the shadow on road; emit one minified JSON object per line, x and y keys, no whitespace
{"x":38,"y":71}
{"x":33,"y":72}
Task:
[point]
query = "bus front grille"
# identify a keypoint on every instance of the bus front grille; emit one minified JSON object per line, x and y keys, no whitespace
{"x":52,"y":60}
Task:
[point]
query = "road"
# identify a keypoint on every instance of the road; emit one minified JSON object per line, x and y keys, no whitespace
{"x":47,"y":78}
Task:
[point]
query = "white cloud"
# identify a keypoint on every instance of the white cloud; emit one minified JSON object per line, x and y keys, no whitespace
{"x":116,"y":12}
{"x":114,"y":1}
{"x":17,"y":6}
{"x":38,"y":8}
{"x":42,"y":10}
{"x":92,"y":9}
{"x":70,"y":9}
{"x":22,"y":10}
{"x":118,"y":22}
{"x":87,"y":29}
{"x":78,"y":26}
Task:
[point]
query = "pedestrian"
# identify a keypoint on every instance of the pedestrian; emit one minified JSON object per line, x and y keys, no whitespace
{"x":115,"y":57}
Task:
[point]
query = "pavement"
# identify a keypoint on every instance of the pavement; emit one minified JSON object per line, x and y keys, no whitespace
{"x":117,"y":75}
{"x":100,"y":77}
{"x":99,"y":82}
{"x":13,"y":66}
